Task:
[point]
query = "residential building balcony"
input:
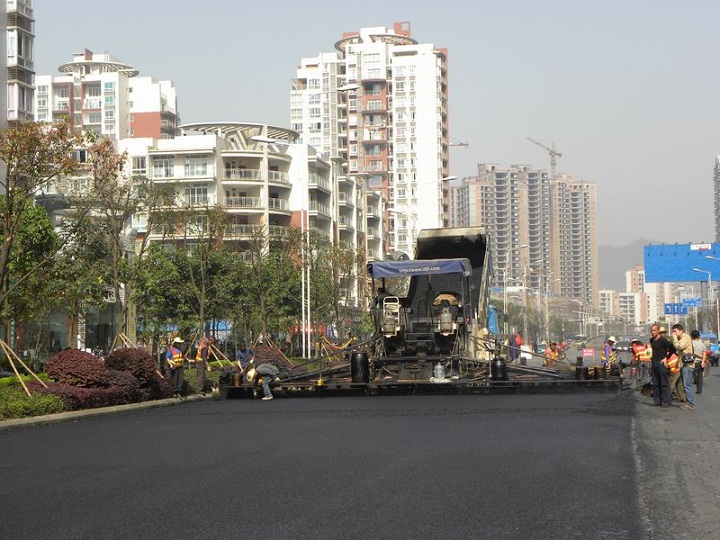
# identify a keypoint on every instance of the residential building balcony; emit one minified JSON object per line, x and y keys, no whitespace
{"x":317,"y":181}
{"x":345,"y":199}
{"x":255,"y":175}
{"x":320,"y":208}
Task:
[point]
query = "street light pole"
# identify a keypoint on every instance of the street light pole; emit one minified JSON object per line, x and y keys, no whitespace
{"x":709,"y":275}
{"x":717,"y":300}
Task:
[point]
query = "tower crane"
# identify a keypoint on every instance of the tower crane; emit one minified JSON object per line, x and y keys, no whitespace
{"x":554,"y":154}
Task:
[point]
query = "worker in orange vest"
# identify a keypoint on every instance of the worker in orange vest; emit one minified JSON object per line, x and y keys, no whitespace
{"x":201,"y":363}
{"x":550,"y":356}
{"x":642,"y":354}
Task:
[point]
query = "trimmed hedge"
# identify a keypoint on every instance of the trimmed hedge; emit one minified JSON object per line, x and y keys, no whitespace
{"x":14,"y":402}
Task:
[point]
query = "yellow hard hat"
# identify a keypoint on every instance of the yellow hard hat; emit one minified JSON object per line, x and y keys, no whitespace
{"x":250,"y":375}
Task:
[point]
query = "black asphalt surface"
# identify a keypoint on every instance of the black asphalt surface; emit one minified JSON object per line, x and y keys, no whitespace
{"x":468,"y":466}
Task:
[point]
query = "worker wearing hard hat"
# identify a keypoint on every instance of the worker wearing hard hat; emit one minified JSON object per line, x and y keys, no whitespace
{"x":175,"y":360}
{"x":607,"y":355}
{"x":263,"y":374}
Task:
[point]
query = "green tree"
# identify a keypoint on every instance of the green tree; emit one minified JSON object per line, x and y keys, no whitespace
{"x":270,"y":298}
{"x":79,"y":276}
{"x":33,"y":155}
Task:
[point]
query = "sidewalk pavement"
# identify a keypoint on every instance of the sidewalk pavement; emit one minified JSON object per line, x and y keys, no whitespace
{"x":678,"y":464}
{"x":76,"y":415}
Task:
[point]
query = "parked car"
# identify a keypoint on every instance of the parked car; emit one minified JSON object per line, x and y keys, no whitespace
{"x":623,"y":345}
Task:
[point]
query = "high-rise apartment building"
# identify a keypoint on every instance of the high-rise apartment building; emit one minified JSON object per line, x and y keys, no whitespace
{"x":574,"y":245}
{"x":101,"y":93}
{"x":378,"y":106}
{"x":542,"y":230}
{"x":716,"y":186}
{"x":18,"y":50}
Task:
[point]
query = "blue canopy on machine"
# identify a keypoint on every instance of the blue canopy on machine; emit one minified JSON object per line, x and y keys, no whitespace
{"x":385,"y":269}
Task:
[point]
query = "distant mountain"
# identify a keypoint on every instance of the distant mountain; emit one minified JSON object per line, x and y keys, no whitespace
{"x":616,"y":260}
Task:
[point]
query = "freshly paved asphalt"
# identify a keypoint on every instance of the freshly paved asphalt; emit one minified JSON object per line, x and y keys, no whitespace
{"x":471,"y":466}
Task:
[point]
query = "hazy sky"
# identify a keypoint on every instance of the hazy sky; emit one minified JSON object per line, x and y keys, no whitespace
{"x":627,"y":89}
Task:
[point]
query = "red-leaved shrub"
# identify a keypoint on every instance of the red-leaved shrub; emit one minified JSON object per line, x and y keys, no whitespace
{"x":78,"y":368}
{"x":76,"y":398}
{"x":137,"y":362}
{"x":127,"y":385}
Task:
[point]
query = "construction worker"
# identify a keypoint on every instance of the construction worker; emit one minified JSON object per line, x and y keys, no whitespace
{"x":244,"y":356}
{"x":607,"y":355}
{"x":175,"y":360}
{"x":550,"y":355}
{"x":201,"y":363}
{"x":642,"y":354}
{"x":264,"y":374}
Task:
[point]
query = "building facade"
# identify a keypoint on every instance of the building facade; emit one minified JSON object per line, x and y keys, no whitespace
{"x":98,"y":92}
{"x":380,"y":106}
{"x":543,"y":231}
{"x":19,"y":84}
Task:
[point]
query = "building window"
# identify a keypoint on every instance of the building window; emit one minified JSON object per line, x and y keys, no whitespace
{"x":196,"y":195}
{"x":93,"y":91}
{"x":196,"y":166}
{"x":163,"y":167}
{"x":109,"y":86}
{"x":139,"y":165}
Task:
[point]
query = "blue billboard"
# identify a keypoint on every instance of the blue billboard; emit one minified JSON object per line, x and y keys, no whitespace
{"x":681,"y":262}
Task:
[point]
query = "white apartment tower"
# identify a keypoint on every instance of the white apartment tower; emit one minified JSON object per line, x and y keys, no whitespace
{"x":378,"y":107}
{"x":18,"y":86}
{"x":101,"y":93}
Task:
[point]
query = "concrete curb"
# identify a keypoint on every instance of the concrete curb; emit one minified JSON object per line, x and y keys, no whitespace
{"x":77,"y":415}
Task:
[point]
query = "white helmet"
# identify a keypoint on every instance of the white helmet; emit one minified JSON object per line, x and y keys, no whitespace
{"x":250,"y":375}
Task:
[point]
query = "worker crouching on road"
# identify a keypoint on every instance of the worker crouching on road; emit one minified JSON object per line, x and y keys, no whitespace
{"x":264,"y":374}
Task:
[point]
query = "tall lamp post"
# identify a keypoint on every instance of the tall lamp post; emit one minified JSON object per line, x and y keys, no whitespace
{"x":709,"y":275}
{"x":717,"y":300}
{"x":504,"y":287}
{"x":547,"y":306}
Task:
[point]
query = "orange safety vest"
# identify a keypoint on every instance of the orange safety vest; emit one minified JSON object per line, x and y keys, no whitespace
{"x":673,"y":363}
{"x":176,"y":357}
{"x":612,"y":355}
{"x":201,"y":348}
{"x":643,"y":353}
{"x":550,"y":356}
